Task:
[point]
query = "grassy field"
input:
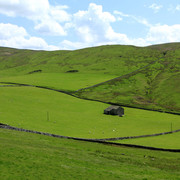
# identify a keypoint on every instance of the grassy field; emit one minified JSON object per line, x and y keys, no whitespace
{"x":30,"y":156}
{"x":170,"y":141}
{"x":54,"y":112}
{"x":63,"y":81}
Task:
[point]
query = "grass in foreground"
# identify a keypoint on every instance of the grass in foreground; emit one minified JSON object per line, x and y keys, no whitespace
{"x":30,"y":156}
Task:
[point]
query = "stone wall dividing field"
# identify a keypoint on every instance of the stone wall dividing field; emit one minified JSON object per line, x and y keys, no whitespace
{"x":101,"y":141}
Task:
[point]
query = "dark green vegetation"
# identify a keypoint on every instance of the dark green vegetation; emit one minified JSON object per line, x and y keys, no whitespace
{"x":29,"y":156}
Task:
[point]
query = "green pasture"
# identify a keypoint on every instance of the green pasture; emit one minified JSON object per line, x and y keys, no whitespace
{"x":31,"y":156}
{"x":63,"y":81}
{"x":169,"y":141}
{"x":53,"y":112}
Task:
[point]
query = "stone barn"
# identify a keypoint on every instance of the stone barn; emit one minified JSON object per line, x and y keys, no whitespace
{"x":114,"y":110}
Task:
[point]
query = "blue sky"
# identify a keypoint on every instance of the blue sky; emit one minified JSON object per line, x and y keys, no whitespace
{"x":75,"y":24}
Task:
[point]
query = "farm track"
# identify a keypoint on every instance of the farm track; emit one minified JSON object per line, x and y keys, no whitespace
{"x":101,"y":141}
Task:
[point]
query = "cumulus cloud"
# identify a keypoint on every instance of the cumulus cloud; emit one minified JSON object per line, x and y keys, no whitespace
{"x":49,"y":27}
{"x":91,"y":25}
{"x":17,"y":37}
{"x":47,"y":18}
{"x":8,"y":30}
{"x":155,"y":7}
{"x":94,"y":30}
{"x":59,"y":14}
{"x":164,"y":33}
{"x":31,"y":9}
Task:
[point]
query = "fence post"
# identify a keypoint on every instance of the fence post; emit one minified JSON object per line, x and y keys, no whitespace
{"x":47,"y":116}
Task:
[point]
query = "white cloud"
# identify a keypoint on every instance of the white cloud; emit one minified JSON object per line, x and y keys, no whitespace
{"x":91,"y":25}
{"x":49,"y":27}
{"x":178,"y":7}
{"x":155,"y":7}
{"x":121,"y":13}
{"x":17,"y":37}
{"x":173,"y":9}
{"x":47,"y":18}
{"x":59,"y":14}
{"x":164,"y":33}
{"x":8,"y":30}
{"x":32,"y":9}
{"x":140,"y":20}
{"x":94,"y":31}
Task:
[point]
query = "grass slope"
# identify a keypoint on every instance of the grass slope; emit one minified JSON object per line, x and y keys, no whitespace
{"x":29,"y":156}
{"x":27,"y":107}
{"x":154,"y":87}
{"x":115,"y":60}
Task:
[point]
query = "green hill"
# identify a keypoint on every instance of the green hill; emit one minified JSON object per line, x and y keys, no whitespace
{"x":145,"y":77}
{"x":116,"y":59}
{"x":148,"y":76}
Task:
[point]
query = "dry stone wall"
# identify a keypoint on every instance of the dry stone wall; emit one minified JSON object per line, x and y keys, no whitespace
{"x":102,"y":141}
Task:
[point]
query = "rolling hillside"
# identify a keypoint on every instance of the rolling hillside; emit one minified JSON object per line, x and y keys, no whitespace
{"x":46,"y":91}
{"x":153,"y":87}
{"x":148,"y":77}
{"x":116,"y":59}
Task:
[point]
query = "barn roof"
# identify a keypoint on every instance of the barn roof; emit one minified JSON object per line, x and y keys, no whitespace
{"x":112,"y":107}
